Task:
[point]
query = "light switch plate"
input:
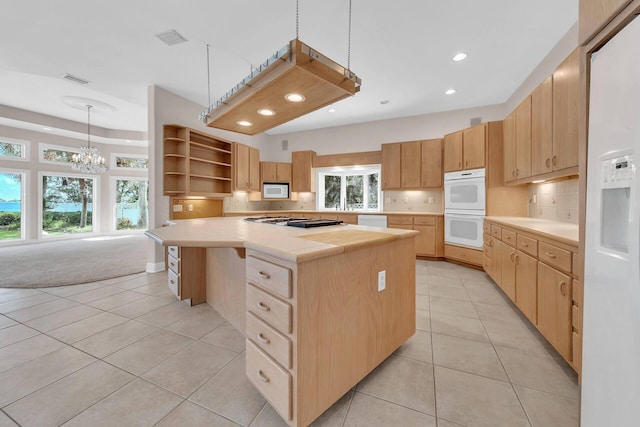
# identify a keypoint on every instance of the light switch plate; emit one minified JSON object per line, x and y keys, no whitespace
{"x":382,"y":280}
{"x":190,"y":208}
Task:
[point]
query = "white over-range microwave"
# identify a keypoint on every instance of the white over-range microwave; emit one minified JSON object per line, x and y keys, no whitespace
{"x":275,"y":191}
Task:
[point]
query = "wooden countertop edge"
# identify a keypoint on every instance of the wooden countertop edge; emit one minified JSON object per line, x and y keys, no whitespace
{"x":548,"y":235}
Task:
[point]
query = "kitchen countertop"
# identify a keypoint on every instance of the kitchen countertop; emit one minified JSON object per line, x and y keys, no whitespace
{"x":561,"y":231}
{"x":288,"y":243}
{"x":275,"y":212}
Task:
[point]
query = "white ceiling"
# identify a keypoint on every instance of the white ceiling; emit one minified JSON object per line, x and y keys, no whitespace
{"x":400,"y":49}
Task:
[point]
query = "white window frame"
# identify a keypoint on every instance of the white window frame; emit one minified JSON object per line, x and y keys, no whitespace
{"x":26,"y":150}
{"x":43,"y":146}
{"x":95,"y":212}
{"x":345,"y":171}
{"x":113,"y":189}
{"x":114,"y":162}
{"x":23,"y":202}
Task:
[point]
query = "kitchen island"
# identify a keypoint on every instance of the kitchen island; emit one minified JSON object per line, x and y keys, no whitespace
{"x":320,"y":307}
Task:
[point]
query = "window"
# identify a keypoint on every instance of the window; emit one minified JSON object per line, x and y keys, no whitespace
{"x":11,"y":202}
{"x":56,"y":154}
{"x":132,"y":206}
{"x":12,"y":149}
{"x":67,"y":205}
{"x":130,"y":161}
{"x":354,"y":188}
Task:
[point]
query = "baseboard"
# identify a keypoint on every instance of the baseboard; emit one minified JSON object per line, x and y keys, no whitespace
{"x":155,"y":267}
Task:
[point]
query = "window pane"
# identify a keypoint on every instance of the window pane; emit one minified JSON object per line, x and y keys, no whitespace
{"x":8,"y":149}
{"x":332,"y":191}
{"x":355,"y":192}
{"x":373,"y":191}
{"x":67,"y":205}
{"x":54,"y":155}
{"x":131,"y":204}
{"x":131,"y":162}
{"x":10,"y":206}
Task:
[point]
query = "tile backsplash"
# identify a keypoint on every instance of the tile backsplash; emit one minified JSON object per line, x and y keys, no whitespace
{"x":554,"y":200}
{"x":394,"y":201}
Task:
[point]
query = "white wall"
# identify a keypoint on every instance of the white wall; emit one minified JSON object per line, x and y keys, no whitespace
{"x":165,"y":107}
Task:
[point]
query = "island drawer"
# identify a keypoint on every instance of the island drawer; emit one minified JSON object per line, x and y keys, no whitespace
{"x":424,"y":220}
{"x":399,"y":219}
{"x":269,"y":308}
{"x":174,"y":282}
{"x":270,"y":379}
{"x":528,"y":245}
{"x":555,"y":256}
{"x":174,"y":251}
{"x":509,"y":237}
{"x":174,"y":264}
{"x":270,"y":340}
{"x":270,"y":276}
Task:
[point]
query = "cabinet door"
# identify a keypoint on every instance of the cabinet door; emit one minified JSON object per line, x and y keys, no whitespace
{"x":554,"y":308}
{"x":426,"y":240}
{"x":268,"y":171}
{"x":527,"y":285}
{"x":410,"y":164}
{"x":509,"y":130}
{"x":542,"y":128}
{"x":242,"y":167}
{"x":283,"y":172}
{"x":508,"y":270}
{"x":566,"y":99}
{"x":431,"y":164}
{"x":473,"y":147}
{"x":594,"y":14}
{"x":391,"y":166}
{"x":523,"y":139}
{"x":453,"y":152}
{"x":254,"y":169}
{"x":301,"y":171}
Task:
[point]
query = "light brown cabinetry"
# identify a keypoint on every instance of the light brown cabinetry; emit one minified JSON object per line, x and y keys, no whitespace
{"x":542,"y":128}
{"x":412,"y":165}
{"x":195,"y":164}
{"x":554,"y":308}
{"x":301,"y":171}
{"x":595,"y":14}
{"x":186,"y":273}
{"x":465,"y":149}
{"x":518,"y":151}
{"x":430,"y":241}
{"x":527,"y":285}
{"x":275,"y":172}
{"x":566,"y":110}
{"x":509,"y":129}
{"x":473,"y":257}
{"x":247,"y":168}
{"x":453,"y":152}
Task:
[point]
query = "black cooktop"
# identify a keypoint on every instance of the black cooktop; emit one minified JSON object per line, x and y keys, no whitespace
{"x":293,"y":222}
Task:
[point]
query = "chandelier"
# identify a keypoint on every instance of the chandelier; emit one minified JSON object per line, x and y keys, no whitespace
{"x":89,"y":159}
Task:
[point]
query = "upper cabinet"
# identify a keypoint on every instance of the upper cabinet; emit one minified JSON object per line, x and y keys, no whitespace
{"x":275,"y":172}
{"x":195,"y":164}
{"x":412,"y":165}
{"x":541,"y":134}
{"x":247,"y":168}
{"x":566,"y":111}
{"x":301,"y":176}
{"x":453,"y":152}
{"x":595,"y":14}
{"x":465,"y":149}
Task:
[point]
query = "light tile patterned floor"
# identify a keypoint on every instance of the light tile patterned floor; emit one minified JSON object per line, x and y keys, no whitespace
{"x":125,"y":352}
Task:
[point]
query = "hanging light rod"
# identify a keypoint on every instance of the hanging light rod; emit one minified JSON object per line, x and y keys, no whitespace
{"x":293,"y":82}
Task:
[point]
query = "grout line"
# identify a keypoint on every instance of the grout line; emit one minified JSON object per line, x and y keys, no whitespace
{"x":9,"y":416}
{"x":346,"y":413}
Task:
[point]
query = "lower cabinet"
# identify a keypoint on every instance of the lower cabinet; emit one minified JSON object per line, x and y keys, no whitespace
{"x":186,"y":275}
{"x":508,"y":268}
{"x":527,"y":285}
{"x":554,"y":308}
{"x":430,"y":241}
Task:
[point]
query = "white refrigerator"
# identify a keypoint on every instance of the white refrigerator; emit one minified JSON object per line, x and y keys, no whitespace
{"x":611,"y":340}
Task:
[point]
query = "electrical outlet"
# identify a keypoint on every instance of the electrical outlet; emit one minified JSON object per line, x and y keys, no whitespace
{"x":177,"y":208}
{"x":430,"y":199}
{"x":382,"y":280}
{"x":190,"y":208}
{"x":535,"y":199}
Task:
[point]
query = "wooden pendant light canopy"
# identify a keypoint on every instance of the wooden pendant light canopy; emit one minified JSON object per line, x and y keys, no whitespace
{"x":296,"y":69}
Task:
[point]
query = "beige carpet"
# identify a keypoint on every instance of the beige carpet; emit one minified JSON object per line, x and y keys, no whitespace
{"x":70,"y":262}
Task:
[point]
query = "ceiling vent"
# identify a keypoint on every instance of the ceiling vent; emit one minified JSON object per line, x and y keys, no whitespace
{"x":171,"y":37}
{"x":74,"y":79}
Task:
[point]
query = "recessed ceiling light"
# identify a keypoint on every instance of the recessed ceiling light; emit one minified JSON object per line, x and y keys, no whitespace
{"x":47,"y":129}
{"x":332,"y":110}
{"x":244,"y":123}
{"x":450,"y":91}
{"x":294,"y":97}
{"x":384,"y":102}
{"x":266,"y":112}
{"x":459,"y":56}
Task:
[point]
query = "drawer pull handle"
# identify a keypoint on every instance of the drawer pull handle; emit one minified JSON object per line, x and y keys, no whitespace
{"x":263,"y":306}
{"x":550,"y":255}
{"x":263,"y":377}
{"x":548,"y":162}
{"x":525,"y":244}
{"x":508,"y":237}
{"x":263,"y":339}
{"x":172,"y":282}
{"x":491,"y":243}
{"x":264,"y":275}
{"x":172,"y":264}
{"x":563,"y":288}
{"x":517,"y":259}
{"x":554,"y":160}
{"x":512,"y":256}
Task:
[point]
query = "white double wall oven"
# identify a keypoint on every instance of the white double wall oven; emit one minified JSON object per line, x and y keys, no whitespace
{"x":464,"y":207}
